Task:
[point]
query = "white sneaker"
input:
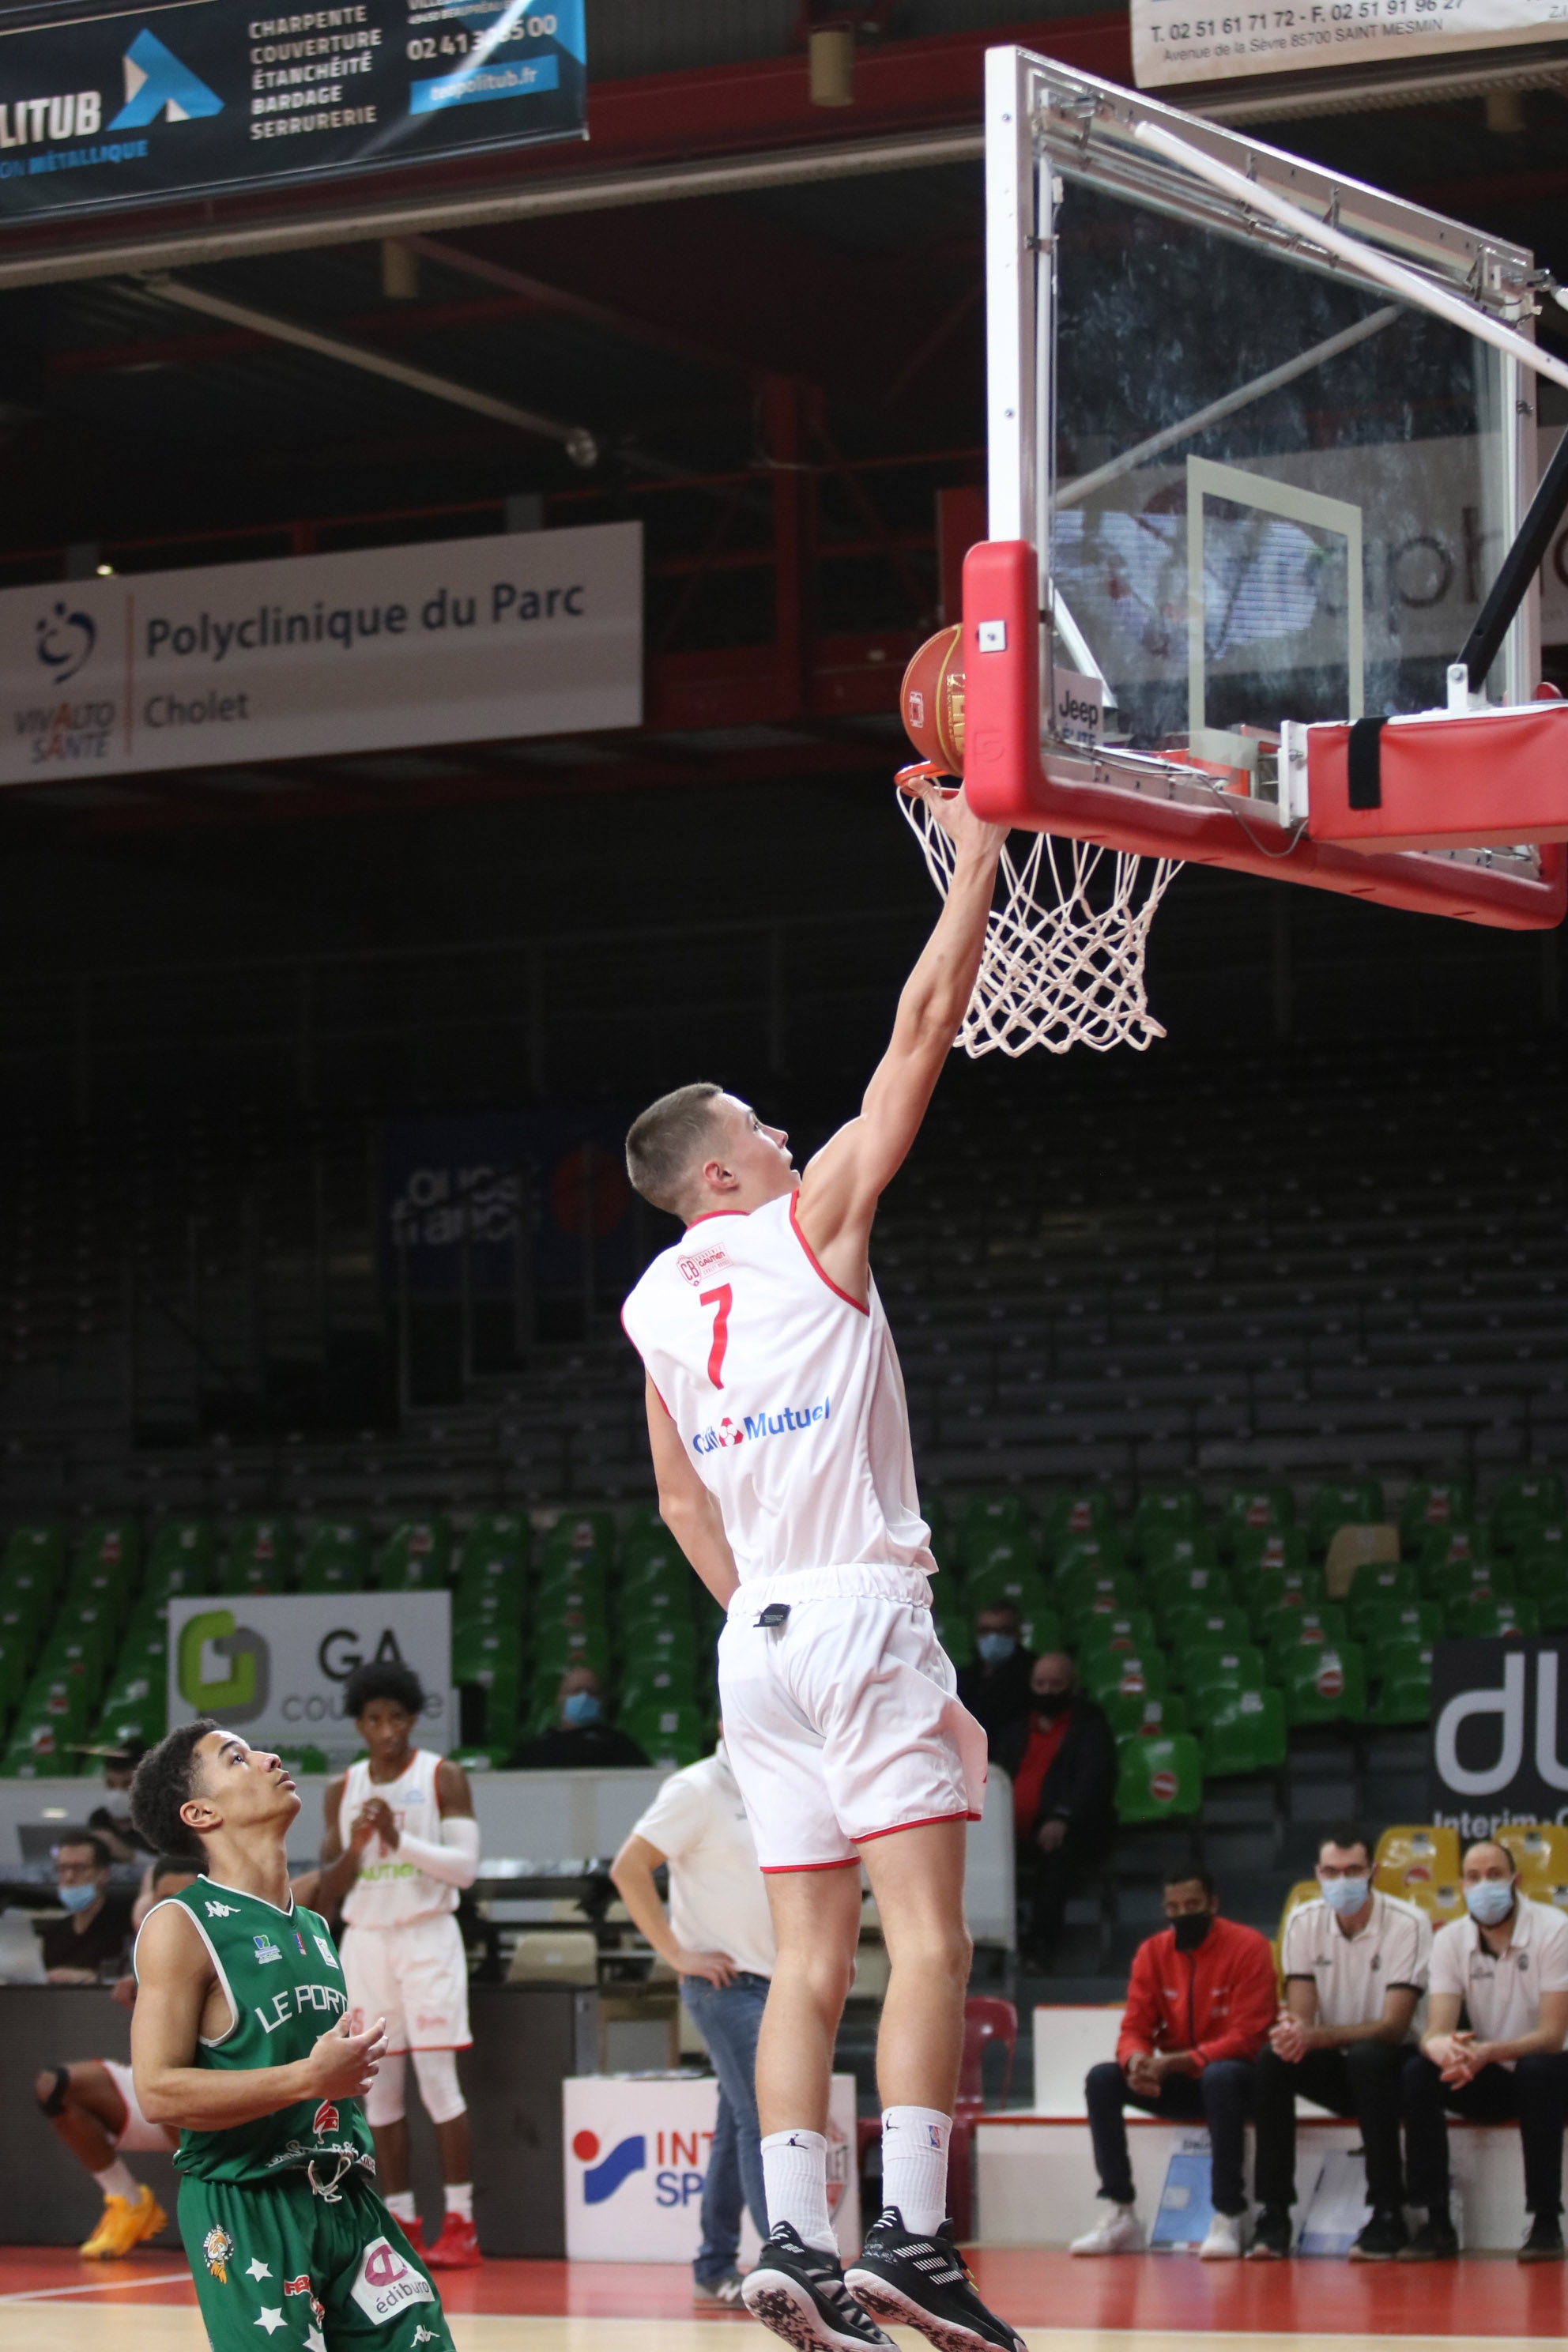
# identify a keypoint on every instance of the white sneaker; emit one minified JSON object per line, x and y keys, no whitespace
{"x":1228,"y":2238}
{"x":1121,"y":2233}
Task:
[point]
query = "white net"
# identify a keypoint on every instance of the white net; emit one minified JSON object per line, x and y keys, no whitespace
{"x":1058,"y":969}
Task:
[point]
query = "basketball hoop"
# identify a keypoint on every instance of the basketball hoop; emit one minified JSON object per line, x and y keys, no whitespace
{"x":1057,"y":970}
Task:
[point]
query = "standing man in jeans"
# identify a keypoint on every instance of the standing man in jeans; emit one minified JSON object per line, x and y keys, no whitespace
{"x":718,"y":1939}
{"x":1354,"y":1965}
{"x":1199,"y":2007}
{"x":1507,"y":1968}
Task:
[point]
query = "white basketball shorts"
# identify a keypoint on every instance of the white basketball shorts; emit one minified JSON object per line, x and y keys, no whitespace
{"x":415,"y":1976}
{"x":843,"y":1723}
{"x":136,"y":2134}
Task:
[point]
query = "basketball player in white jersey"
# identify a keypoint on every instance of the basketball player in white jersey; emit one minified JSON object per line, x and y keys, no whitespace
{"x":781,"y":1445}
{"x":401,"y":1839}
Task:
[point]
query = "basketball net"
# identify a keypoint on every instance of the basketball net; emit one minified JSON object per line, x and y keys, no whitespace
{"x":1056,"y":970}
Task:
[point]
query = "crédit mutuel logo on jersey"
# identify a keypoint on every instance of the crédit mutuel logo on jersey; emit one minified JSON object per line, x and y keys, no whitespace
{"x":794,"y":1418}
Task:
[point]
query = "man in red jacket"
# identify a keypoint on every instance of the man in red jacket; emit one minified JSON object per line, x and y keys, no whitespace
{"x":1199,"y":2006}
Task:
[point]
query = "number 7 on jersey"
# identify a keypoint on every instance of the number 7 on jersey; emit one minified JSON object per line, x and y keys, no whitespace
{"x":720,"y":1300}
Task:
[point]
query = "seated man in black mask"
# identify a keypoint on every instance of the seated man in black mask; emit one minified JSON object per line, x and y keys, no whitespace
{"x":1062,"y":1760}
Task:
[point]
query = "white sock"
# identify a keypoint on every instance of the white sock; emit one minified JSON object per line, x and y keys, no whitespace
{"x":914,"y":2165}
{"x":116,"y":2179}
{"x":461,"y":2200}
{"x":794,"y":2180}
{"x":400,"y":2204}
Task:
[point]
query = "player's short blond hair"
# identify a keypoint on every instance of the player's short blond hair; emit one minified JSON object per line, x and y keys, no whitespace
{"x":665,"y":1142}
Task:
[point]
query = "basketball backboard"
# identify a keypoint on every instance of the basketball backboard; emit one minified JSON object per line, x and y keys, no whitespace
{"x":1234,"y":485}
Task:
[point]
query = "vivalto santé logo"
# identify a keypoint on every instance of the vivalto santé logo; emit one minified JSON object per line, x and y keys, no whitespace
{"x":730,"y":1431}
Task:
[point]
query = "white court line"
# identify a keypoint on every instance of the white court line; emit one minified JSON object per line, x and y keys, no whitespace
{"x":98,"y":2286}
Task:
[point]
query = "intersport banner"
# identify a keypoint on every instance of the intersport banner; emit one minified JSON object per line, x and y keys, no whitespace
{"x":105,"y":105}
{"x":527,"y":633}
{"x":274,"y":1669}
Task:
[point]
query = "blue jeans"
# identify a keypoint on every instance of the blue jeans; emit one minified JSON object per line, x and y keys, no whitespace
{"x":728,"y":2021}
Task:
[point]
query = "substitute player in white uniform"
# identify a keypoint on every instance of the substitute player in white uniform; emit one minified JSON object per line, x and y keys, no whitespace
{"x":781,"y":1445}
{"x":401,"y":1839}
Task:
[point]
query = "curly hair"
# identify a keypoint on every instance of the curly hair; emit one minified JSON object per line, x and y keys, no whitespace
{"x":163,"y":1784}
{"x":383,"y":1678}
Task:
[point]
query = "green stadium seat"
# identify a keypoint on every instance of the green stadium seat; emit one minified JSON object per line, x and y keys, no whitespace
{"x":337,"y":1558}
{"x":107,"y":1570}
{"x":1307,"y":1629}
{"x":1159,"y":1779}
{"x":40,"y":1548}
{"x":1392,"y":1621}
{"x":956,"y":1633}
{"x":1273,"y":1589}
{"x":1271,"y":1505}
{"x":41,"y":1748}
{"x":939,"y":1519}
{"x":1446,"y":1548}
{"x":498,"y":1608}
{"x":1002,"y":1560}
{"x":1325,"y":1684}
{"x":579,"y":1536}
{"x":1434,"y":1502}
{"x":1009,"y":1573}
{"x":1086,"y":1511}
{"x":418,"y":1557}
{"x":1127,"y":1630}
{"x":1099,"y":1550}
{"x":1042,"y":1630}
{"x":1196,"y":1628}
{"x":1522,"y":1504}
{"x":1402,"y":1672}
{"x":1172,"y":1589}
{"x":1261,"y":1551}
{"x":1549,"y":1590}
{"x":671,"y":1737}
{"x":654,"y":1560}
{"x":1210,"y":1667}
{"x":1143,"y":1674}
{"x":28,"y":1609}
{"x":654,"y":1604}
{"x":985,"y":1519}
{"x":1163,"y":1510}
{"x":135,"y":1706}
{"x":185,"y":1551}
{"x":574,"y":1640}
{"x":1132,"y":1715}
{"x":1167,"y":1548}
{"x":489,"y":1664}
{"x":671,"y":1682}
{"x":84,"y":1641}
{"x":1244,"y":1731}
{"x":61,"y":1699}
{"x":1342,"y":1503}
{"x":505,"y":1534}
{"x":1375,"y":1583}
{"x":1088,"y":1591}
{"x":1487,"y":1620}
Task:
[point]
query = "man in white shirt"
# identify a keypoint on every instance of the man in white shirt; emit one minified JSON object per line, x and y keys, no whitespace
{"x":1354,"y":1965}
{"x":1507,"y":1965}
{"x":718,"y":1939}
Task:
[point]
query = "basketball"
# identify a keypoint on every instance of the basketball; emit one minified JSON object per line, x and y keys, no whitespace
{"x":930,"y":701}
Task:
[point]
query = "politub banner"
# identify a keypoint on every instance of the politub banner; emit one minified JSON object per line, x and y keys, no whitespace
{"x":1175,"y":43}
{"x":274,"y":1669}
{"x":1499,"y":1741}
{"x":117,"y":105}
{"x":523,"y":633}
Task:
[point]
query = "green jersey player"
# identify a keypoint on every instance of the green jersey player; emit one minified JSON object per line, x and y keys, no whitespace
{"x":240,"y":2038}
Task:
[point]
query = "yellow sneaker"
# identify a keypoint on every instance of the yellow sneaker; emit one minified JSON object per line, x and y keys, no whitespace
{"x":124,"y":2225}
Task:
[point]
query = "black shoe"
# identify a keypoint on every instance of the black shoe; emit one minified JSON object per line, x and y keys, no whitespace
{"x":1436,"y":2240}
{"x":1545,"y":2244}
{"x":1270,"y":2236}
{"x":1384,"y":2240}
{"x":924,"y":2283}
{"x":800,"y":2294}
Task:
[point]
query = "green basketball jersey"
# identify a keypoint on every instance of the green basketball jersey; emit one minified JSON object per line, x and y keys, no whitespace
{"x":285,"y":1985}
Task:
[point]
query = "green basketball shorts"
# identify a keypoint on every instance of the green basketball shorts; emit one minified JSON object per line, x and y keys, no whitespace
{"x":272,"y":2260}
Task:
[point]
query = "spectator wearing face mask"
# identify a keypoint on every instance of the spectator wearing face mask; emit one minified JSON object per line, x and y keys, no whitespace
{"x":995,"y":1688}
{"x":1199,"y":2005}
{"x":93,"y":1934}
{"x":1507,"y":1965}
{"x":580,"y":1740}
{"x":1062,"y":1760}
{"x":1354,"y":1965}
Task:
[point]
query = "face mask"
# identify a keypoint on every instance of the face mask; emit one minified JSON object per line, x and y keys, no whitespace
{"x":1050,"y":1703}
{"x":995,"y":1647}
{"x":78,"y":1898}
{"x":1491,"y":1901}
{"x":580,"y":1707}
{"x":1345,"y":1896}
{"x":1191,"y":1928}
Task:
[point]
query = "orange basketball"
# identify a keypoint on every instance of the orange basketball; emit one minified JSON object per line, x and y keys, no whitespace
{"x":930,"y":701}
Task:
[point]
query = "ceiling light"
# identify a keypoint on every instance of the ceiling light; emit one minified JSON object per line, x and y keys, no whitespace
{"x":106,"y":570}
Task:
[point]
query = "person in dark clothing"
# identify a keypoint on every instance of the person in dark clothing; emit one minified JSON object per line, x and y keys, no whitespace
{"x":1062,"y":1760}
{"x":581,"y":1740}
{"x":96,"y":1930}
{"x":995,"y":1688}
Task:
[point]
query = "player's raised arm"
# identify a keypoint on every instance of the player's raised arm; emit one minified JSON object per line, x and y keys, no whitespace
{"x":841,"y":1187}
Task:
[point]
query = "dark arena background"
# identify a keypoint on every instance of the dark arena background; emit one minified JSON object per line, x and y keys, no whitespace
{"x":317,"y":1063}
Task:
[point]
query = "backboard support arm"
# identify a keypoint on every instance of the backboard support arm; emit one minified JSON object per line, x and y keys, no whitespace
{"x":1518,"y":569}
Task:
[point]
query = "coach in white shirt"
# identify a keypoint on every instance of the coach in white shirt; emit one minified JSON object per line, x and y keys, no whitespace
{"x":1506,"y":1965}
{"x":1354,"y":1965}
{"x":718,"y":1939}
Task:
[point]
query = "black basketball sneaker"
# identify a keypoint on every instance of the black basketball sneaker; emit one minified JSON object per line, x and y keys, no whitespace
{"x":800,"y":2294}
{"x":912,"y":2282}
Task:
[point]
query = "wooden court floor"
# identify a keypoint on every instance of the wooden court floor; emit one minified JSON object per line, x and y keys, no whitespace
{"x":49,"y":2301}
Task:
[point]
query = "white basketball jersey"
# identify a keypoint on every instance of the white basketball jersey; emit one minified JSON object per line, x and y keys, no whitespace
{"x":787,"y":1395}
{"x":390,"y":1890}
